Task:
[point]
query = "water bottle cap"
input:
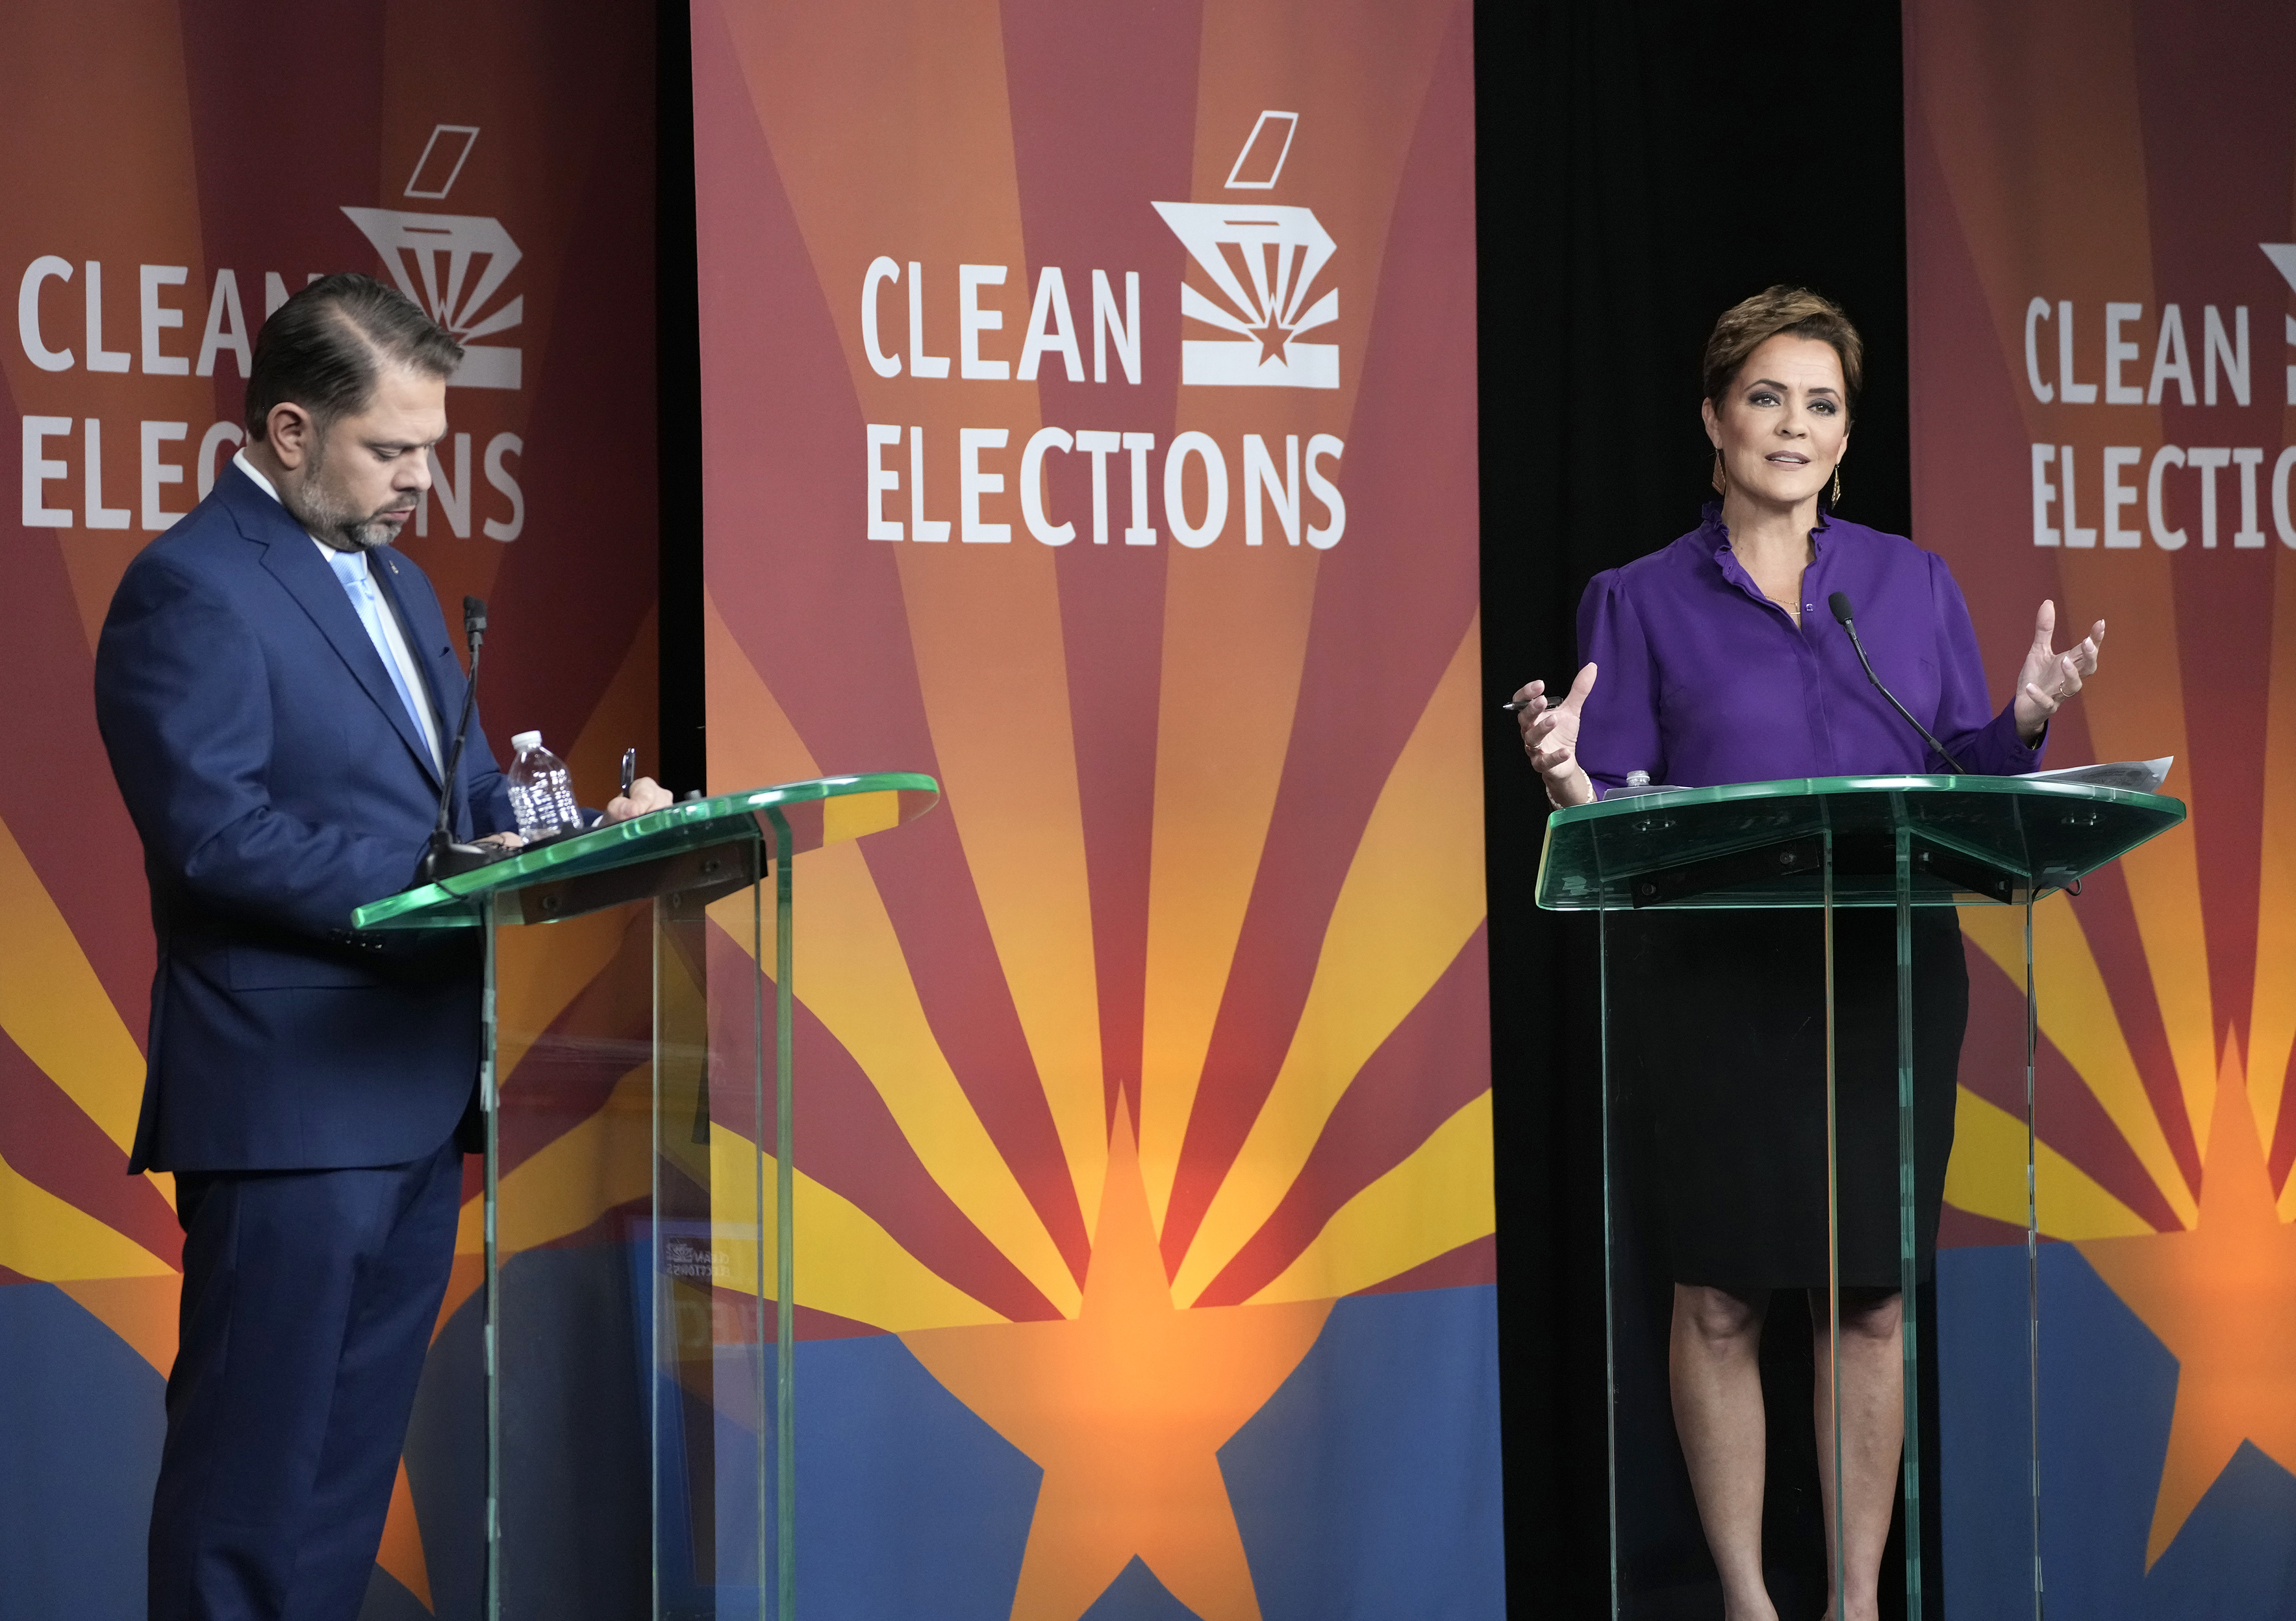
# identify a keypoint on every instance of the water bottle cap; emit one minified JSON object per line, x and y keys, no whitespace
{"x":523,"y":741}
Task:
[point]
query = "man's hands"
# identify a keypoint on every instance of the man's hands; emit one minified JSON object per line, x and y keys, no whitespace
{"x":1550,"y":737}
{"x":645,"y":794}
{"x":2049,"y":677}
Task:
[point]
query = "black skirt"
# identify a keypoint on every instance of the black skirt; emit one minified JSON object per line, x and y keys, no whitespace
{"x":1718,"y":1078}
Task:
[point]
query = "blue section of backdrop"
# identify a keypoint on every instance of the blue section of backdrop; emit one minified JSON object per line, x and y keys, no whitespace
{"x":1368,"y":1484}
{"x":1347,"y":1484}
{"x":73,"y":1396}
{"x":2108,"y":1393}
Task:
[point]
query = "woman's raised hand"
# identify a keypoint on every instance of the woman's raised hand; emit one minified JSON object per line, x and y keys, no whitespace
{"x":1550,"y":737}
{"x":2049,"y":677}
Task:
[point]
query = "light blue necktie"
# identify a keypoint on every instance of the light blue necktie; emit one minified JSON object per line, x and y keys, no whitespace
{"x":351,"y":568}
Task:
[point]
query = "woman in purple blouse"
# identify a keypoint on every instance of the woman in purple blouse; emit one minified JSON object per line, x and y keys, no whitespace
{"x":1719,"y":662}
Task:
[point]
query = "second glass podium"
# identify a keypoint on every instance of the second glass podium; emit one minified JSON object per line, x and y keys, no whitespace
{"x":1787,"y":1022}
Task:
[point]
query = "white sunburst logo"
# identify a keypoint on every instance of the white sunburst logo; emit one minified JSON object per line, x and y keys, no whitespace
{"x":1263,"y":258}
{"x":453,"y":264}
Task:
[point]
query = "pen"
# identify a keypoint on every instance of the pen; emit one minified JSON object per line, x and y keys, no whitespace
{"x":629,"y":770}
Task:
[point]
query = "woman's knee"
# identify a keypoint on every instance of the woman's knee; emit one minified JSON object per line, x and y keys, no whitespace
{"x":1865,"y":1313}
{"x":1718,"y":1316}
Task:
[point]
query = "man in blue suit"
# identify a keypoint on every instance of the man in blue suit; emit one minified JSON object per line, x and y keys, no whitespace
{"x":277,"y":690}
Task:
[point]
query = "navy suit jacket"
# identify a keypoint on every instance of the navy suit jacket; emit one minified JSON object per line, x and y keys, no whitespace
{"x":278,"y":783}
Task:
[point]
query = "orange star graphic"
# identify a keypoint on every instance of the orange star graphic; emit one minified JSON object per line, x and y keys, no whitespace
{"x":1272,"y":336}
{"x":1125,"y":1409}
{"x":2222,"y":1297}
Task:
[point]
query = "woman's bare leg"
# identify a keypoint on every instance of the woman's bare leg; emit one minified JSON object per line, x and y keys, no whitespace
{"x":1872,"y":1435}
{"x":1715,"y":1357}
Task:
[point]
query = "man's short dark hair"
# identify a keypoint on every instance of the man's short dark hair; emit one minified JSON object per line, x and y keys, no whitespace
{"x":324,"y":348}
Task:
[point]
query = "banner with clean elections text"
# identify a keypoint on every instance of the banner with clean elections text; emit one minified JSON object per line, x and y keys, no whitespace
{"x":174,"y":172}
{"x":2103,"y":231}
{"x":1089,"y":421}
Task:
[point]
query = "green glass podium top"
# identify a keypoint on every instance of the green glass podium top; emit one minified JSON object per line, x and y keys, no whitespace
{"x":809,"y":815}
{"x":1973,"y":840}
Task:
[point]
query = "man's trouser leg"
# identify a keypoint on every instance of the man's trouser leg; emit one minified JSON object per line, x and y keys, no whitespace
{"x":308,"y":1301}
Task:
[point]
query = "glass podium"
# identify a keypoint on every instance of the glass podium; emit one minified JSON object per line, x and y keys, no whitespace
{"x":1838,"y":847}
{"x":640,"y":1452}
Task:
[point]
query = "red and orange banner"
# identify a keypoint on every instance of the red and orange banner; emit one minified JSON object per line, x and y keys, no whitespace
{"x":1089,"y":421}
{"x":175,"y":172}
{"x":2102,"y":230}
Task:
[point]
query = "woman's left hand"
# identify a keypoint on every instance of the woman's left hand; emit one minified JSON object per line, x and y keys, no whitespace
{"x":2049,"y":677}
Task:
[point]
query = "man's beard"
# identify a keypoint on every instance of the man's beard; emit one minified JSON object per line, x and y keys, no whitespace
{"x":334,"y":521}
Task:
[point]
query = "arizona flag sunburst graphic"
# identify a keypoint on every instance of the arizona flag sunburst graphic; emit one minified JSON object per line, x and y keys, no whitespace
{"x":1167,"y":1030}
{"x":2135,"y":204}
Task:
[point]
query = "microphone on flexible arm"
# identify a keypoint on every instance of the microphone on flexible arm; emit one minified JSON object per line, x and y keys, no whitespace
{"x":1839,"y":602}
{"x":442,"y":856}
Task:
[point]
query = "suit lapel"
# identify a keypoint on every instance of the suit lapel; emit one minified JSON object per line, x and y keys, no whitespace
{"x":293,"y":559}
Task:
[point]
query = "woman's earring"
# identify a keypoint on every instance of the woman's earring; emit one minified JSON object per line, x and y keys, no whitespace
{"x":1837,"y":485}
{"x":1721,"y":477}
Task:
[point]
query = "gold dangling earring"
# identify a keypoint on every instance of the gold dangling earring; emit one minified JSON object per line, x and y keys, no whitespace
{"x":1837,"y":487}
{"x":1721,"y":475}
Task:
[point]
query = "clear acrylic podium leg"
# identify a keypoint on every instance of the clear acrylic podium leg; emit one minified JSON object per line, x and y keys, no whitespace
{"x":723,"y":1418}
{"x":626,"y":1269}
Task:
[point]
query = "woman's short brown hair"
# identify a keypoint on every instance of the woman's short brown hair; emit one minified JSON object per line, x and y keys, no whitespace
{"x":1750,"y":323}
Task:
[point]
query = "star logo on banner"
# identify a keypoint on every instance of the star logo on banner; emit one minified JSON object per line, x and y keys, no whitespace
{"x":1272,"y":336}
{"x":1126,"y":1409}
{"x":2222,"y":1297}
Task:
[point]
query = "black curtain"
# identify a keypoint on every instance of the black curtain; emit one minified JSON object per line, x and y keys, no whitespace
{"x":1640,"y":168}
{"x":684,"y":766}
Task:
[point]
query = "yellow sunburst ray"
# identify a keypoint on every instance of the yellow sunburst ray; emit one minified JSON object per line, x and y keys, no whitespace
{"x":1437,"y":1199}
{"x":55,"y":1009}
{"x":2164,"y":887}
{"x":2138,"y":713}
{"x":599,"y":1162}
{"x":1234,"y":650}
{"x":2075,"y":1013}
{"x":845,"y":1261}
{"x":854,"y":977}
{"x":52,"y":1241}
{"x":1412,"y":896}
{"x":991,"y":668}
{"x":1986,"y":1176}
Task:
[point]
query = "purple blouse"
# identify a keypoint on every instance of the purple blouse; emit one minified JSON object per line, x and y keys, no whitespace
{"x":1703,"y":680}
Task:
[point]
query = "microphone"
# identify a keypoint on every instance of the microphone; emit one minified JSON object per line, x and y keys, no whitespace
{"x":1839,"y":602}
{"x":442,"y":856}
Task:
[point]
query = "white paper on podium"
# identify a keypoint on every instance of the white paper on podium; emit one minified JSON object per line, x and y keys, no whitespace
{"x":2141,"y":777}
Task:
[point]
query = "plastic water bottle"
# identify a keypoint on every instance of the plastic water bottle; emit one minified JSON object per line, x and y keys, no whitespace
{"x":541,"y":791}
